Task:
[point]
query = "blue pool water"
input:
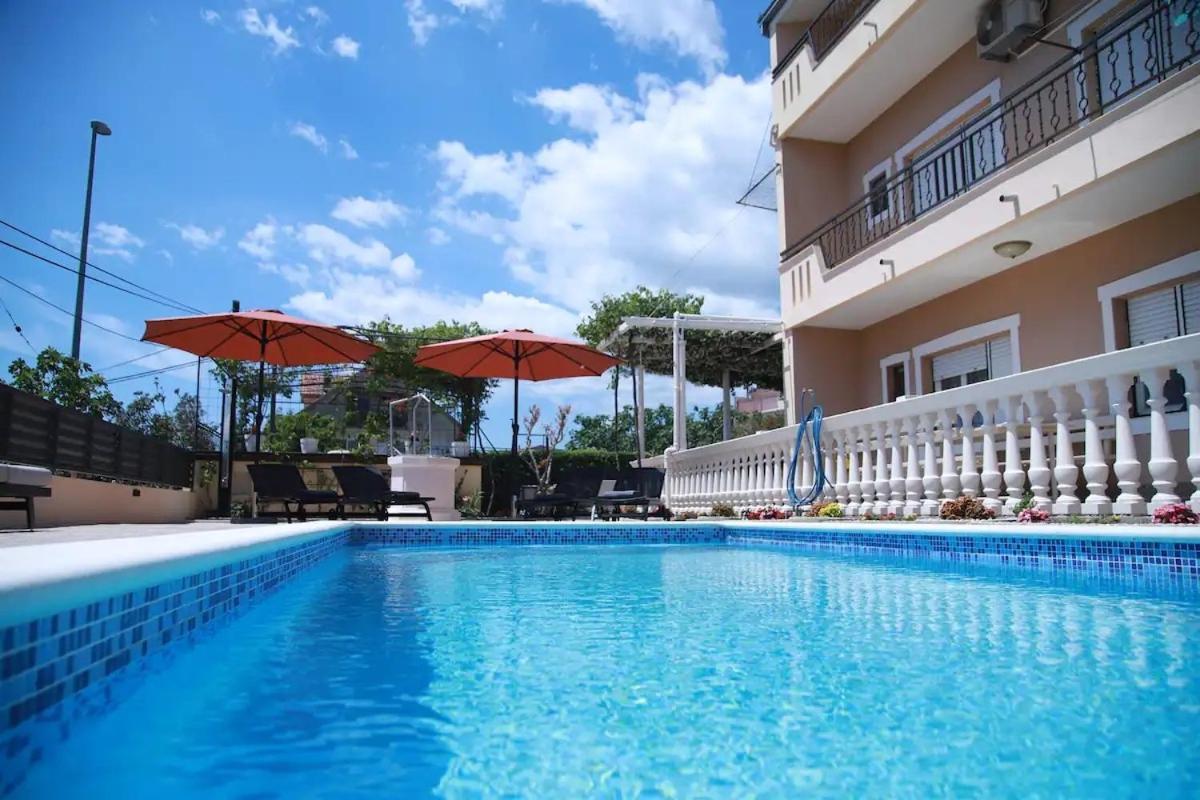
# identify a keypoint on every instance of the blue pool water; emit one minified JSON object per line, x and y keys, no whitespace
{"x":660,"y":671}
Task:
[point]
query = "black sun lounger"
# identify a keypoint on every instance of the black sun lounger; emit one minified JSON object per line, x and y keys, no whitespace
{"x":362,"y":486}
{"x":283,"y":483}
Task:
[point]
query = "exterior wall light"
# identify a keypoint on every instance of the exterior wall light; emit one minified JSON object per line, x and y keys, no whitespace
{"x":1013,"y":249}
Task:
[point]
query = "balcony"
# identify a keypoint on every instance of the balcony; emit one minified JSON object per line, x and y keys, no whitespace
{"x":857,"y":56}
{"x":1104,"y":135}
{"x":1064,"y":432}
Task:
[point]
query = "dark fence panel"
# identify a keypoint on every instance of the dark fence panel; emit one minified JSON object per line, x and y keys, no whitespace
{"x":36,"y":431}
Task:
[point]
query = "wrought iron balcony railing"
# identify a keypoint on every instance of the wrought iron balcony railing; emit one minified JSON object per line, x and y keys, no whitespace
{"x":1151,"y":42}
{"x":834,"y":21}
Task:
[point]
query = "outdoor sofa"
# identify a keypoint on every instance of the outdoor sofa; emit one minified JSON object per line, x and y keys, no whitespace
{"x":19,"y":485}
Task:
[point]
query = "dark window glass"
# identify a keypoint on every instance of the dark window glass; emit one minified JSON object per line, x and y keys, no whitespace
{"x":877,"y":189}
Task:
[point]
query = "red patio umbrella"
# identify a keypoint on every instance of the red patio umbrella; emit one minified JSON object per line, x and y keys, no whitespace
{"x":517,"y":354}
{"x":265,"y":336}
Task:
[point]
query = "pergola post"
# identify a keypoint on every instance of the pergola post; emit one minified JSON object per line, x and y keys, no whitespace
{"x":640,"y":411}
{"x":680,"y":377}
{"x":726,"y":410}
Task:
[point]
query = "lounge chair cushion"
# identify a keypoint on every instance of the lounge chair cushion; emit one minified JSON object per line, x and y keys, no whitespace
{"x":21,"y":475}
{"x":619,"y":495}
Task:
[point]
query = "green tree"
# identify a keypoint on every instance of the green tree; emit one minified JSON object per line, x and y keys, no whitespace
{"x":65,"y":381}
{"x":704,"y":426}
{"x":291,"y":428}
{"x":608,"y":311}
{"x":278,"y":382}
{"x":395,"y":365}
{"x":147,"y":413}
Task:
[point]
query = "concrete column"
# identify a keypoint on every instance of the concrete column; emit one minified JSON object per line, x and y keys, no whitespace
{"x":680,"y":376}
{"x":726,"y":407}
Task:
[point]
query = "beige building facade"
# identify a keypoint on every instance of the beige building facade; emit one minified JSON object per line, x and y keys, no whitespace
{"x":979,"y":203}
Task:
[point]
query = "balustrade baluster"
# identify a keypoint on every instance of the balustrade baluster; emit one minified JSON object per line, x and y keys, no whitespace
{"x":930,"y":478}
{"x":1014,"y":470}
{"x":951,"y":484}
{"x":1065,"y":471}
{"x":1191,"y":392}
{"x":1039,"y":468}
{"x":989,"y":478}
{"x":867,"y":479}
{"x":829,"y":452}
{"x":969,"y":470}
{"x":841,"y":487}
{"x":883,"y":483}
{"x":806,"y":472}
{"x":853,"y":485}
{"x":1095,"y":467}
{"x":1162,"y":466}
{"x":912,"y":471}
{"x":1126,"y":465}
{"x":896,"y":472}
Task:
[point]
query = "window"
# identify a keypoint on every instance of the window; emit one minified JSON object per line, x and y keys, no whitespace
{"x":1157,"y":315}
{"x":896,"y":386}
{"x":1164,"y":313}
{"x":974,"y":363}
{"x":878,"y":193}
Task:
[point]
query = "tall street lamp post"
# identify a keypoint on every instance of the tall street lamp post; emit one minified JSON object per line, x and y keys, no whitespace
{"x":98,"y":129}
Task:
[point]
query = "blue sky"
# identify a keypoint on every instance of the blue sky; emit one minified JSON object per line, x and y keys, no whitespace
{"x":506,"y":161}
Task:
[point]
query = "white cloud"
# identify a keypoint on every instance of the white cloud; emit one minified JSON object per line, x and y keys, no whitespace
{"x":347,"y":150}
{"x":438,"y":237}
{"x":197,"y":237}
{"x":691,"y":28}
{"x":302,"y":130}
{"x":644,"y":195}
{"x":316,"y":14}
{"x":345,"y":47}
{"x":421,"y":21}
{"x":259,"y":241}
{"x":363,"y":213}
{"x":209,"y":16}
{"x":107,"y":239}
{"x":282,"y":39}
{"x":426,"y":16}
{"x":331,"y":248}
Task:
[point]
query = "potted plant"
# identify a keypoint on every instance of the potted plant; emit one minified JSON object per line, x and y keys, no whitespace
{"x":542,"y":462}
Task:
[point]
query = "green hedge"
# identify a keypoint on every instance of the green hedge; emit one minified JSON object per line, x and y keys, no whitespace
{"x":498,"y":464}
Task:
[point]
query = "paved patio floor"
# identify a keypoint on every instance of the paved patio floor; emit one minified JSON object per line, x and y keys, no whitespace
{"x":85,"y":533}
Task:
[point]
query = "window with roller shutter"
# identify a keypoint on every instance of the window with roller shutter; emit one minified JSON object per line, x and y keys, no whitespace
{"x":1158,"y":315}
{"x":977,"y":362}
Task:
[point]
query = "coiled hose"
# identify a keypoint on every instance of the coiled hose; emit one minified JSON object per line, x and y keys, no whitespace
{"x":810,"y":429}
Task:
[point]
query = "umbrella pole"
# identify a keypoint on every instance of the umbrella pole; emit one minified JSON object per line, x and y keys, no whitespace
{"x":516,"y":463}
{"x":258,"y":408}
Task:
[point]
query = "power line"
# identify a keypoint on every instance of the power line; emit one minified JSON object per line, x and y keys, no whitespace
{"x":101,"y":281}
{"x":169,"y":300}
{"x":57,"y":307}
{"x":150,"y":372}
{"x":17,"y":327}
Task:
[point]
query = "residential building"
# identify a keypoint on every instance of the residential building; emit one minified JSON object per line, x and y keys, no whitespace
{"x":990,"y":256}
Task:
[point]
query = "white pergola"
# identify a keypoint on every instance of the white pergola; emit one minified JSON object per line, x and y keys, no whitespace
{"x":679,"y":324}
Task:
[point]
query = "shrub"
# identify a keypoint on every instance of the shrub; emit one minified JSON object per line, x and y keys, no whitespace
{"x":832,"y":511}
{"x":766,"y":512}
{"x":684,"y":515}
{"x":965,"y":508}
{"x":722,"y":510}
{"x":1024,"y":503}
{"x":1176,"y":514}
{"x":1033,"y":515}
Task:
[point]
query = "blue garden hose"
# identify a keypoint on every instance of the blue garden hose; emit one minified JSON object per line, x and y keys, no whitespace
{"x":810,"y":428}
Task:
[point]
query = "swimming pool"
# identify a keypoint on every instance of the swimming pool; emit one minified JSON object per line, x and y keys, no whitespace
{"x":701,"y":667}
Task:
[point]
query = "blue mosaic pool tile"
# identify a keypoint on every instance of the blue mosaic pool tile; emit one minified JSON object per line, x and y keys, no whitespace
{"x":1116,"y":557}
{"x":79,"y":662}
{"x":468,"y":535}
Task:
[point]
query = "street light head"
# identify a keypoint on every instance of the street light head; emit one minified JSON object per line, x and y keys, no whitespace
{"x":100,"y":128}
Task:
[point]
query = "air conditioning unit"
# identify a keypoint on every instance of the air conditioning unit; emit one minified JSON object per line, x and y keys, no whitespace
{"x":1005,"y":24}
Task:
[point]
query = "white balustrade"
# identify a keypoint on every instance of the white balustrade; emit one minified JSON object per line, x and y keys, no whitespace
{"x":908,"y":456}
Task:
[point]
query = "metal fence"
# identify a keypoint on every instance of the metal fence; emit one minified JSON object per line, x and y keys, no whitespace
{"x":38,"y":432}
{"x":1151,"y":42}
{"x":834,"y":22}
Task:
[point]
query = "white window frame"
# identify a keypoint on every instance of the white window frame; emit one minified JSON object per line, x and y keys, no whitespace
{"x":904,"y":359}
{"x":964,"y":336}
{"x":884,"y":167}
{"x":1173,"y":271}
{"x":990,"y":92}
